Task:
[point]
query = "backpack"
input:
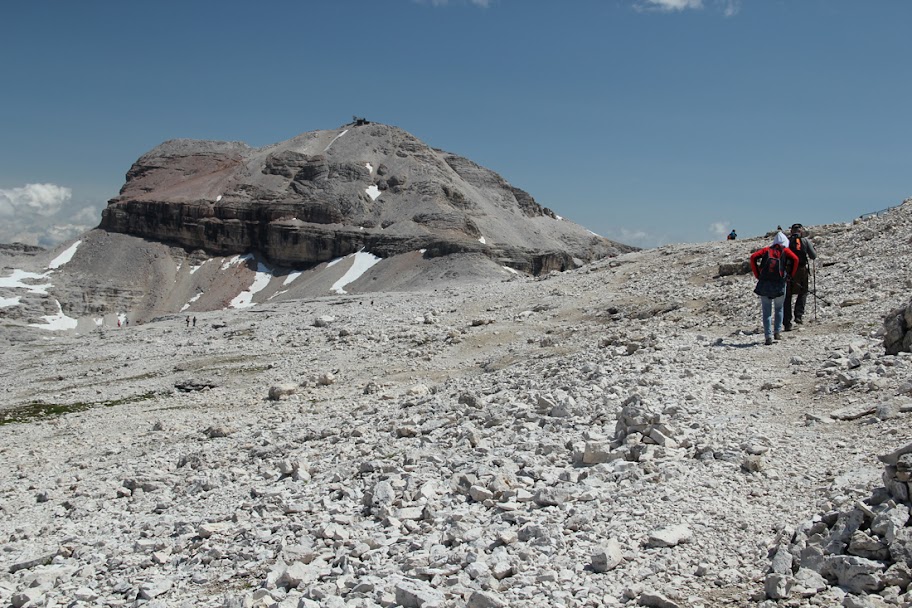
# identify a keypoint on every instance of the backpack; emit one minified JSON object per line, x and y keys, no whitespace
{"x":771,"y":265}
{"x":796,"y":244}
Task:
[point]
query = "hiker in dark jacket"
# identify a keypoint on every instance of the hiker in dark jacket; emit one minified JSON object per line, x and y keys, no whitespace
{"x":771,"y":266}
{"x":798,"y":286}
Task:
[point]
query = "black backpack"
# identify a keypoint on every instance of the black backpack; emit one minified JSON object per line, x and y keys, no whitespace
{"x":771,"y":265}
{"x":797,"y":246}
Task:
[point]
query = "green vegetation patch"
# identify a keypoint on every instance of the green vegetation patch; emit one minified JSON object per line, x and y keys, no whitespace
{"x":39,"y":410}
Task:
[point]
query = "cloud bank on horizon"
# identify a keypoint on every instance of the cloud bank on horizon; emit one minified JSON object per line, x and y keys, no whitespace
{"x":43,"y":214}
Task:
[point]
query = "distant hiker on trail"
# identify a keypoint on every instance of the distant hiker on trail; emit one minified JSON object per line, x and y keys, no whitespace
{"x":802,"y":247}
{"x":188,"y":321}
{"x":732,"y":235}
{"x":770,"y":266}
{"x":194,"y":321}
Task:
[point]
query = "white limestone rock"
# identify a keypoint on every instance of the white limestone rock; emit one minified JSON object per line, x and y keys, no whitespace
{"x":216,"y":527}
{"x":155,"y":587}
{"x":652,"y":599}
{"x":670,"y":536}
{"x":417,"y":594}
{"x":607,"y":557}
{"x":485,"y":599}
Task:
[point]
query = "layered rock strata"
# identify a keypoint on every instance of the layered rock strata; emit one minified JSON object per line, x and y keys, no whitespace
{"x":327,"y":194}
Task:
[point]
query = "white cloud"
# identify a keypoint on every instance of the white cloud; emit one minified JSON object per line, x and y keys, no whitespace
{"x":729,"y":8}
{"x":719,"y":229}
{"x":668,"y":5}
{"x":637,"y":238}
{"x":86,"y":215}
{"x":43,"y":214}
{"x":59,"y":233}
{"x":41,"y":199}
{"x":481,"y":3}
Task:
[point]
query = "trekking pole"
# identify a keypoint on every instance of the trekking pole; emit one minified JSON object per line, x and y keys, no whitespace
{"x":814,"y":282}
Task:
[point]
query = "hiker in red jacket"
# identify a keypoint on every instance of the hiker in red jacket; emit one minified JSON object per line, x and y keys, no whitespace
{"x":771,"y":267}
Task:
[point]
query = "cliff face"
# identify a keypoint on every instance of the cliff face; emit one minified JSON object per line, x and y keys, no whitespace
{"x":327,"y":194}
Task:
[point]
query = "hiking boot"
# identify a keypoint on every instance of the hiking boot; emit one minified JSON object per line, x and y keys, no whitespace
{"x":798,"y":321}
{"x":769,"y":340}
{"x":776,"y":336}
{"x":786,"y":328}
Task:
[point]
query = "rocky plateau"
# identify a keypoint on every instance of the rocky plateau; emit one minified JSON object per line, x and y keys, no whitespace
{"x":613,"y":435}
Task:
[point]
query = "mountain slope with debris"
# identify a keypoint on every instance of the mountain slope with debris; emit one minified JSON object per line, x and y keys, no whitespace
{"x":615,"y":435}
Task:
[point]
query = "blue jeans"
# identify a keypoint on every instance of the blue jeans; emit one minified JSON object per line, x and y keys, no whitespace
{"x":769,"y":306}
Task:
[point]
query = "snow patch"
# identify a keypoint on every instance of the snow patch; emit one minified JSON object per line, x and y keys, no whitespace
{"x":191,"y":301}
{"x":218,"y":198}
{"x":7,"y":302}
{"x":370,"y":169}
{"x":373,"y":192}
{"x":482,"y":241}
{"x":245,"y":298}
{"x":195,"y":268}
{"x":56,"y":322}
{"x":362,"y":263}
{"x":334,"y":139}
{"x":64,"y":257}
{"x":511,"y":270}
{"x":14,"y":281}
{"x":99,"y":321}
{"x":237,"y":260}
{"x":291,"y":278}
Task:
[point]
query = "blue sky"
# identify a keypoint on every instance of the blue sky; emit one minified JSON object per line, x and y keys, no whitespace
{"x":647,"y":121}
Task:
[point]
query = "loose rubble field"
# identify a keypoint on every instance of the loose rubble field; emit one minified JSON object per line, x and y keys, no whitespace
{"x":614,"y":435}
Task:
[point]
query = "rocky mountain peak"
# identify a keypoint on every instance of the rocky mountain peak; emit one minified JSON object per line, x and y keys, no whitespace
{"x":327,"y":194}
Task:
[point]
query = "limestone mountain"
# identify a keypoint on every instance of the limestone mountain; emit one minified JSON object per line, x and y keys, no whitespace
{"x":326,"y":194}
{"x":203,"y":225}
